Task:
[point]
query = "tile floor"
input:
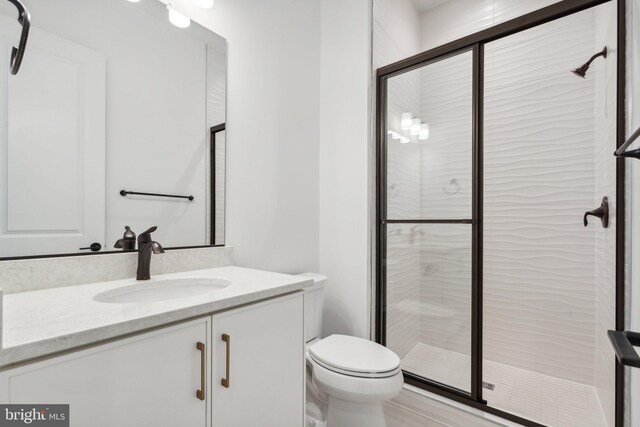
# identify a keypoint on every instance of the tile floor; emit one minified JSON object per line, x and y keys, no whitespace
{"x":550,"y":401}
{"x":397,"y":416}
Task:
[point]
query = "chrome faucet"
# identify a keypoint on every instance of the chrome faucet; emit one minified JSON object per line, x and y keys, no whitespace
{"x":145,"y":247}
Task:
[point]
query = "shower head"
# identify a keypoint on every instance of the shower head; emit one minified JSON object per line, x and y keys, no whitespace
{"x":581,"y":71}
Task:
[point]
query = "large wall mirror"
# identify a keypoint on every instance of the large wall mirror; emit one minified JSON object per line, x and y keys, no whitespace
{"x":111,"y":100}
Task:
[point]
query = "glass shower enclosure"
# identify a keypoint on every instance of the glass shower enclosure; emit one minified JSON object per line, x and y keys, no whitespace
{"x":490,"y":288}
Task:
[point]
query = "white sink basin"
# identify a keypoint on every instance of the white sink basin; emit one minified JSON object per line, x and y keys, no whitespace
{"x":162,"y":290}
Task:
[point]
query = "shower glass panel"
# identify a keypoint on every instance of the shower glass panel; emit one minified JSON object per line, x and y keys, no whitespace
{"x":428,"y":224}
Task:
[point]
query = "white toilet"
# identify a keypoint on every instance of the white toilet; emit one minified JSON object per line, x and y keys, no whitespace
{"x":347,"y":377}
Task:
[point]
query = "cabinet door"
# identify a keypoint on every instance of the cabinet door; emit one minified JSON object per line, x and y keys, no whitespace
{"x":146,"y":380}
{"x":266,"y":365}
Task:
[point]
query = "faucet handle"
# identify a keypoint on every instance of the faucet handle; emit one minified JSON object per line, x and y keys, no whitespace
{"x":149,"y":231}
{"x":146,"y":236}
{"x":128,"y":241}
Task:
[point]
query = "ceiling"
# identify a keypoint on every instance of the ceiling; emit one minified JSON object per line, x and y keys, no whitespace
{"x":424,"y":5}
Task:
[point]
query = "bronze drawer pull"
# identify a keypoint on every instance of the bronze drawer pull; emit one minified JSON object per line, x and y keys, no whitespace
{"x":227,"y":339}
{"x":200,"y":393}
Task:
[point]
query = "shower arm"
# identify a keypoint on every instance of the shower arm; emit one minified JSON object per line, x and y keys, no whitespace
{"x":620,"y":152}
{"x":603,"y":53}
{"x":24,"y":18}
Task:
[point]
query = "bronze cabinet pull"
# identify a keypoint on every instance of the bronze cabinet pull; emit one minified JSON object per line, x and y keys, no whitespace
{"x":227,"y":339}
{"x":203,"y":361}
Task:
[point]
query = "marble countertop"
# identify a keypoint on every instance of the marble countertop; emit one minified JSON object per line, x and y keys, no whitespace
{"x":44,"y":322}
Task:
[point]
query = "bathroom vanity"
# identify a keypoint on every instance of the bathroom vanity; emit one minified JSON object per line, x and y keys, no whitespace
{"x":206,"y":348}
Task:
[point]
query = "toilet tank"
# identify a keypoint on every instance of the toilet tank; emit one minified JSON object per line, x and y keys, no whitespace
{"x":313,"y":298}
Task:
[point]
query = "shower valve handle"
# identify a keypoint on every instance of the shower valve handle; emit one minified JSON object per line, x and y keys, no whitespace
{"x":602,"y":212}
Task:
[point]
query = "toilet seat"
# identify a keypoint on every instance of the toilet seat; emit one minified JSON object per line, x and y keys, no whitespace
{"x":356,"y":389}
{"x":355,"y":357}
{"x":371,"y":375}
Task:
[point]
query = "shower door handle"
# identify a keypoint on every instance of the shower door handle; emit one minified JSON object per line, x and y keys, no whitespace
{"x":602,"y":212}
{"x":623,"y":343}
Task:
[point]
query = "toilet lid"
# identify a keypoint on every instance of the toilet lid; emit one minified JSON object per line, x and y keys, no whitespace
{"x":353,"y":354}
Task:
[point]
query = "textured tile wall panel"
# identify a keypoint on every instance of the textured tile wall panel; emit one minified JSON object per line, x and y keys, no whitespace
{"x":539,"y":292}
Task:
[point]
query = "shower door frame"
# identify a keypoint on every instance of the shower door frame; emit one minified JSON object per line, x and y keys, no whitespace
{"x":475,"y":42}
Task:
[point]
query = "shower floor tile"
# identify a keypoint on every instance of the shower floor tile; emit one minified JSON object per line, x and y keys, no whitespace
{"x":547,"y":400}
{"x":444,"y":366}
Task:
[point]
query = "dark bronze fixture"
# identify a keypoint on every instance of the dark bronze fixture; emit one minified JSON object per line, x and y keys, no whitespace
{"x":125,"y":193}
{"x":200,"y":393}
{"x":94,"y":247}
{"x":623,"y":343}
{"x":128,"y":241}
{"x":24,"y":18}
{"x":452,"y":189}
{"x":145,"y":247}
{"x":226,"y":381}
{"x":215,"y":130}
{"x":581,"y":71}
{"x":602,"y":212}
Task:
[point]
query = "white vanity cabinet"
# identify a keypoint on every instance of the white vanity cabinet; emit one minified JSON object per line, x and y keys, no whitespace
{"x":264,"y":368}
{"x":145,"y":380}
{"x":172,"y":376}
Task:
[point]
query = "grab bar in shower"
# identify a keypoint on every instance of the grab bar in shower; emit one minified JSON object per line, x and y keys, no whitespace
{"x":620,"y":152}
{"x":624,"y":343}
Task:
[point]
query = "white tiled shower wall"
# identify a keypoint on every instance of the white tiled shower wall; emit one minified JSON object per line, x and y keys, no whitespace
{"x":539,"y":178}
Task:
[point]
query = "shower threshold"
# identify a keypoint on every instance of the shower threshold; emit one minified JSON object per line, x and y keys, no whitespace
{"x":547,"y":400}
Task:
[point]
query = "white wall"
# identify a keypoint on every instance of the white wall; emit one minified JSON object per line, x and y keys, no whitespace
{"x":396,"y":31}
{"x":273,"y":126}
{"x":458,"y":18}
{"x":344,"y":164}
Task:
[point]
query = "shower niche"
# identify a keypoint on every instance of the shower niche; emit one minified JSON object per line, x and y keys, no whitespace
{"x":489,"y":286}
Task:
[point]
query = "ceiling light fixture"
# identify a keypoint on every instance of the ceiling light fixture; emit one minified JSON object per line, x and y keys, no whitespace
{"x":415,"y":127}
{"x":177,"y":18}
{"x":204,"y":4}
{"x":405,"y":121}
{"x":424,"y":132}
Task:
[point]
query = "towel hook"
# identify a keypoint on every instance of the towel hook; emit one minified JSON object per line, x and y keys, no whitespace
{"x":24,"y":18}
